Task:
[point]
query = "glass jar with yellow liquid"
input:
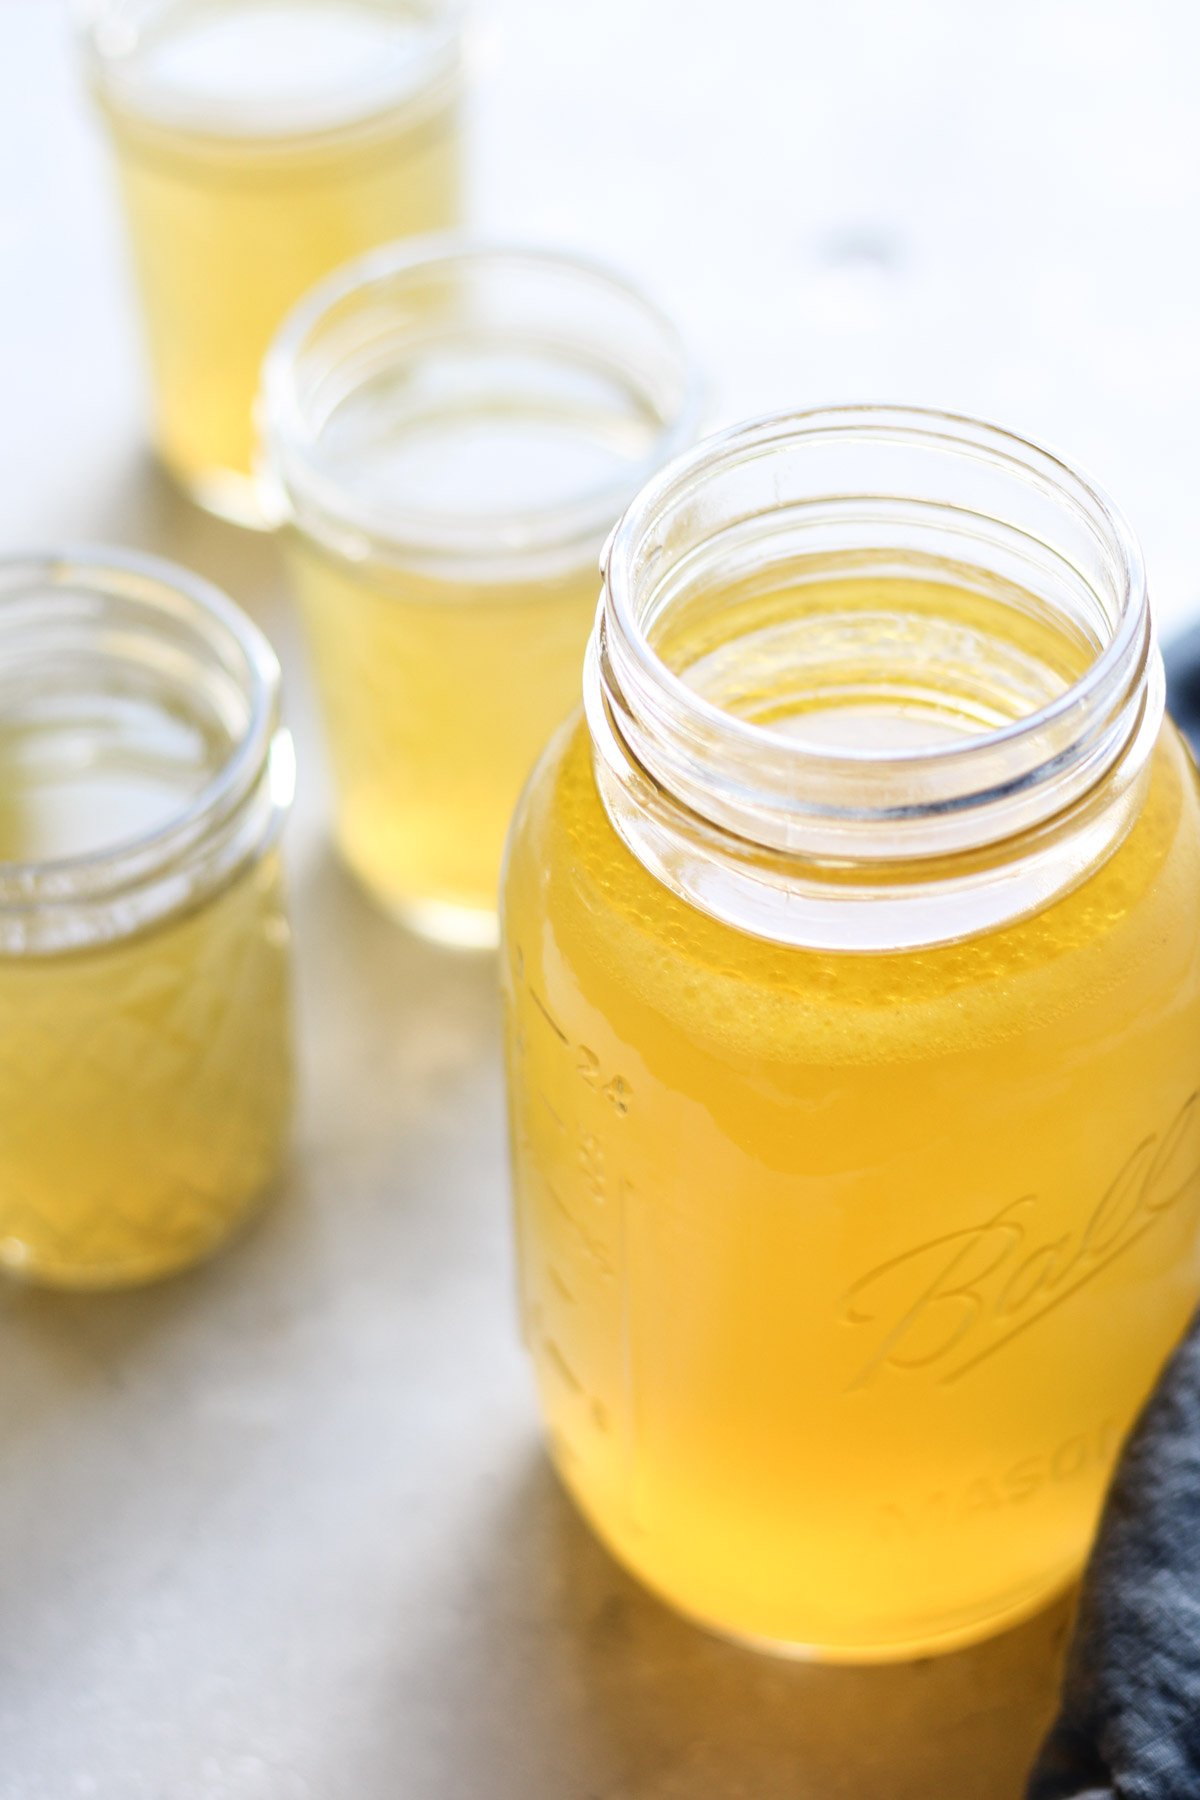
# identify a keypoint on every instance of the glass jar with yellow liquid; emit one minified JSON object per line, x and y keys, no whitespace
{"x":261,"y":143}
{"x":145,"y":1020}
{"x":450,"y":430}
{"x":852,"y":959}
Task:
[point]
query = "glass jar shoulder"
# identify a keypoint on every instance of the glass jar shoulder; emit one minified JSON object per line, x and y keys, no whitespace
{"x":1123,"y":943}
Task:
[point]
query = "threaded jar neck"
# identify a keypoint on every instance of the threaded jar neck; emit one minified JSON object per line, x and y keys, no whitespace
{"x":733,"y":539}
{"x":124,"y":669}
{"x":477,"y":410}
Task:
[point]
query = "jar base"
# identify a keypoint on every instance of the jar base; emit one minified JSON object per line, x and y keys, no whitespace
{"x":225,"y":494}
{"x":444,"y":922}
{"x":455,"y":927}
{"x":24,"y":1267}
{"x":1013,"y":1609}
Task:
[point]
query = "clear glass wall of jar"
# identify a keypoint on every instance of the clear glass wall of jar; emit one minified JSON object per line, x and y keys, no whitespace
{"x":259,"y":145}
{"x":145,"y":1018}
{"x":852,"y":957}
{"x":450,"y":430}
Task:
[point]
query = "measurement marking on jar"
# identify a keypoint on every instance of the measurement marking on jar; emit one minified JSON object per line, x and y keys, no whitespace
{"x":551,"y":1021}
{"x":597,"y":1412}
{"x":634,"y":1469}
{"x":560,"y":1363}
{"x":590,"y":1155}
{"x":557,"y":1282}
{"x":557,"y":1117}
{"x":617,"y":1091}
{"x":590,"y":1245}
{"x":974,"y":1283}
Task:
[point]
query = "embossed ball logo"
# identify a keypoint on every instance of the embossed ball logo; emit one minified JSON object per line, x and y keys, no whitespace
{"x":952,"y":1302}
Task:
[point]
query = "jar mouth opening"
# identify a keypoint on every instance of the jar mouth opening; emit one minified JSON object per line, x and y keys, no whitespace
{"x":447,"y":323}
{"x":93,"y":626}
{"x":627,"y":608}
{"x":118,"y":36}
{"x":953,"y":625}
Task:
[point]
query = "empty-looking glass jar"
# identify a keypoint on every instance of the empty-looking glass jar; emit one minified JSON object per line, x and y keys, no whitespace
{"x":451,"y":429}
{"x":853,"y":979}
{"x":145,"y":1028}
{"x":259,"y":144}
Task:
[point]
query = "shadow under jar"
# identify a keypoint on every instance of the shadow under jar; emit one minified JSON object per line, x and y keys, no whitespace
{"x":450,"y":430}
{"x":145,"y":1016}
{"x":852,"y":958}
{"x":261,"y":143}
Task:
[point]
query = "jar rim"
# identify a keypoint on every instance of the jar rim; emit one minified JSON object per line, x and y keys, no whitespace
{"x":108,"y":39}
{"x":298,"y":490}
{"x":251,"y":787}
{"x":862,"y":848}
{"x":757,"y":437}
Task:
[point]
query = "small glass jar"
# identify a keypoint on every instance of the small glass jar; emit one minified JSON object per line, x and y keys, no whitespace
{"x":450,"y":429}
{"x":852,"y":959}
{"x":145,"y":1020}
{"x":261,"y":143}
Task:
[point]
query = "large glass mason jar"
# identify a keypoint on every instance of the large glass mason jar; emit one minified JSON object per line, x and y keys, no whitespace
{"x":145,"y":1013}
{"x":852,"y":955}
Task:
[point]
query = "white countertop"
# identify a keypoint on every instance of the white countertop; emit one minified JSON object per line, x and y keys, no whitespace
{"x":280,"y":1529}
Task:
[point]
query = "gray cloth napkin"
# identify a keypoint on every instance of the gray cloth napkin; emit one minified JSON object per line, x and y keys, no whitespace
{"x":1129,"y":1724}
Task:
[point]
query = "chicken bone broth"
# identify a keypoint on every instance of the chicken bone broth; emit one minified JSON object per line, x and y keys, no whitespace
{"x":439,"y":690}
{"x":260,"y":144}
{"x":845,"y":1269}
{"x":453,"y":432}
{"x":145,"y":1062}
{"x":887,"y":654}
